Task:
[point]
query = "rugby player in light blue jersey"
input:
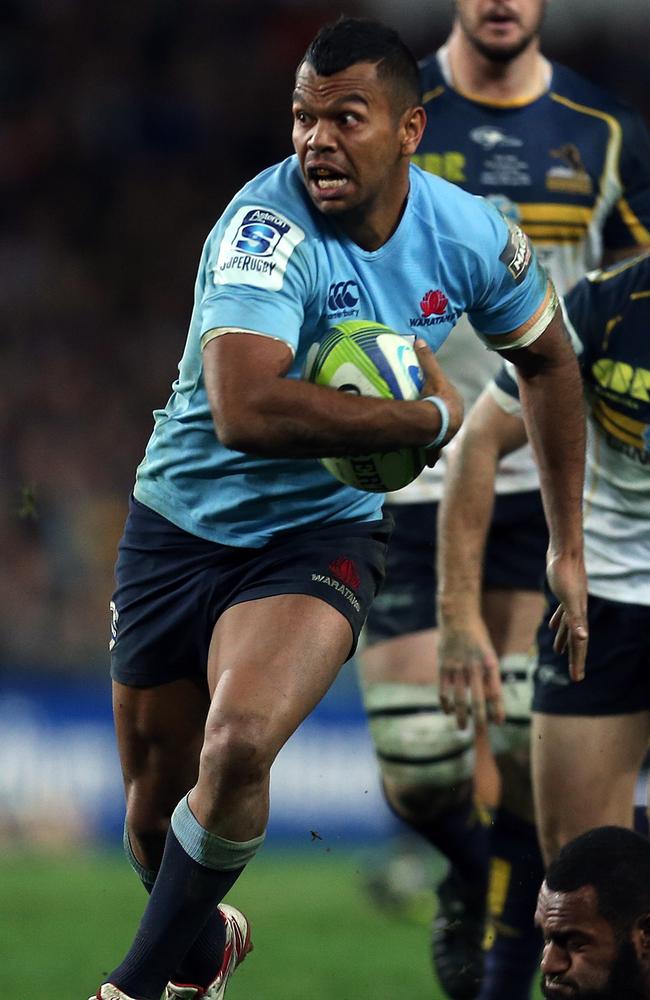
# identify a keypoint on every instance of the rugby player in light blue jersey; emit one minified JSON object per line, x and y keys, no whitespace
{"x":245,"y":571}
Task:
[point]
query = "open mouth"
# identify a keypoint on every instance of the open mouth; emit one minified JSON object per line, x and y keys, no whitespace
{"x":326,"y":178}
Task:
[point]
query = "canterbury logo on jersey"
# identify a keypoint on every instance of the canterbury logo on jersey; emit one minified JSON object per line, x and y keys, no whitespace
{"x":342,"y":295}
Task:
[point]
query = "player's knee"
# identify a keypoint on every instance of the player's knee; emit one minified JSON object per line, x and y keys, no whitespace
{"x":423,"y":803}
{"x":237,"y":752}
{"x":416,"y":744}
{"x":147,"y":829}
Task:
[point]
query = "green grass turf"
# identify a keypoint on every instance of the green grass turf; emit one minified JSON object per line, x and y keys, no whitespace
{"x":65,"y":921}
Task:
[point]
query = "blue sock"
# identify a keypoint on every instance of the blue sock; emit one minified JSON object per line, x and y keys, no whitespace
{"x":203,"y":960}
{"x":641,"y":824}
{"x":516,"y":873}
{"x":198,"y":868}
{"x":462,"y":834}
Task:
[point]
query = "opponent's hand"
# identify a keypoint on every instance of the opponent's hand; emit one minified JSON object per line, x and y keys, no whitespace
{"x":468,"y":675}
{"x":436,"y":383}
{"x":568,"y":581}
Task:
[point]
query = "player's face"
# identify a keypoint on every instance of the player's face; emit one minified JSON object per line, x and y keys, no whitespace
{"x":500,"y":29}
{"x":349,"y":140}
{"x":583,"y":959}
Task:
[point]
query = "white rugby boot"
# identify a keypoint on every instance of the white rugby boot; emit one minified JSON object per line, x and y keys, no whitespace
{"x":109,"y":992}
{"x":238,"y":945}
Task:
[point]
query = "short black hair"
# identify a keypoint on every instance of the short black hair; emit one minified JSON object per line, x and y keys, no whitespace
{"x":352,"y":40}
{"x":616,"y":862}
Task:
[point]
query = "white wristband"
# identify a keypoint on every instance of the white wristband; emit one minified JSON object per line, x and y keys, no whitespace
{"x":443,"y":410}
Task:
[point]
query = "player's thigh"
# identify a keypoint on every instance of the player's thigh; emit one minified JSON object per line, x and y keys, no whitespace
{"x":515,"y":562}
{"x":406,"y":659}
{"x":584,"y":772}
{"x":399,"y":640}
{"x":589,"y":739}
{"x":270,"y":663}
{"x":295,"y":619}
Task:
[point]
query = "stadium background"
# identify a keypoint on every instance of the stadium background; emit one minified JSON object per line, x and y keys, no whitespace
{"x":125,"y":130}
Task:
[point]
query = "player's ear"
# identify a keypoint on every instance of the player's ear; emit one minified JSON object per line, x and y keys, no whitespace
{"x":412,"y":125}
{"x":641,"y":937}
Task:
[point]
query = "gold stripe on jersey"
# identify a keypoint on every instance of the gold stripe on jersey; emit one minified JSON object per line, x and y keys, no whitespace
{"x":432,"y":94}
{"x":613,"y":272}
{"x":566,"y":234}
{"x":612,"y":156}
{"x":609,"y":326}
{"x":639,"y":295}
{"x":638,"y":230}
{"x":618,"y":425}
{"x":554,"y":212}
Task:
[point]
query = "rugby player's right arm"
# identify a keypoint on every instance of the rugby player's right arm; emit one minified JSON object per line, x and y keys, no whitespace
{"x":257,"y":409}
{"x":467,"y":661}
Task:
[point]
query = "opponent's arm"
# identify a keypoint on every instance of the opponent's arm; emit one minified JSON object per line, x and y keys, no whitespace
{"x":467,"y":661}
{"x":550,"y":389}
{"x":257,"y":409}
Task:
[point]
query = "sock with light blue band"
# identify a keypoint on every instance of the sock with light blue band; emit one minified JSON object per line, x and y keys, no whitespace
{"x":207,"y":848}
{"x":443,"y":410}
{"x":146,"y":875}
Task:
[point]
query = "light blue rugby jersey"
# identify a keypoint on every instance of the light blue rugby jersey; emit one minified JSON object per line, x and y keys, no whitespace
{"x":275,"y":265}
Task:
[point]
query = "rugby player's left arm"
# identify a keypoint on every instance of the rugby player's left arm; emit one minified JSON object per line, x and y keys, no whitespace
{"x":550,"y":388}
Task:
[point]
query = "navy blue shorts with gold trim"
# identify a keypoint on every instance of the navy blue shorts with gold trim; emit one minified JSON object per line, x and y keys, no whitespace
{"x":173,"y":586}
{"x":617,"y":669}
{"x":515,"y":559}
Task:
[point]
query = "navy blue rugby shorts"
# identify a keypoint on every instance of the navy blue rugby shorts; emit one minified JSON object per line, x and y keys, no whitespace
{"x":617,"y":669}
{"x":173,"y":586}
{"x":515,"y":559}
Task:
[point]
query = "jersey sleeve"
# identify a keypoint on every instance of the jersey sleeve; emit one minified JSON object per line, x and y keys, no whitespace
{"x":628,"y":223}
{"x":511,"y":285}
{"x":578,"y":312}
{"x":257,"y":275}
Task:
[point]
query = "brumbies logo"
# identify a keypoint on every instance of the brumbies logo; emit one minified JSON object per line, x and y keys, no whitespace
{"x":516,"y":254}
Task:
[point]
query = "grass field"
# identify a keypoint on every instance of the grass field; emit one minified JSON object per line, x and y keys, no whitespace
{"x":66,"y":921}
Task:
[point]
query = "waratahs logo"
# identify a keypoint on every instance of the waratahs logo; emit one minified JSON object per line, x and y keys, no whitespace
{"x":433,"y":302}
{"x":433,"y":306}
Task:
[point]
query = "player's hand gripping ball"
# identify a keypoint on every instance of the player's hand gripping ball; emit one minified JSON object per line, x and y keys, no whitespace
{"x":368,"y":359}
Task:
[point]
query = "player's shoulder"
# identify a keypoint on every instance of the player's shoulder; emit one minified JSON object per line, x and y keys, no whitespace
{"x":431,"y":77}
{"x":585,"y":94}
{"x":454,"y":213}
{"x":276,"y":197}
{"x":615,"y":284}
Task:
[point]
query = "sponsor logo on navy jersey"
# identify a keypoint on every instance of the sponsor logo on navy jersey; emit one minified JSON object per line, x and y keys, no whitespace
{"x":516,"y":254}
{"x":488,"y":137}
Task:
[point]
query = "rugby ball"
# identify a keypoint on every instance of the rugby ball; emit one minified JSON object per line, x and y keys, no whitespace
{"x":369,"y":359}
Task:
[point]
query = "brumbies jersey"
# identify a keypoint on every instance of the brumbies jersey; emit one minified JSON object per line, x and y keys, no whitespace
{"x":609,"y":315}
{"x":275,"y":266}
{"x":572,"y":168}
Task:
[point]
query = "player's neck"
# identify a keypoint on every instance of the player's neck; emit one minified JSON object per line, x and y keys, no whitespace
{"x":522,"y":80}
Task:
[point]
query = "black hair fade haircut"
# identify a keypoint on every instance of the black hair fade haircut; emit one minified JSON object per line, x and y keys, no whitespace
{"x":352,"y":40}
{"x":616,"y":862}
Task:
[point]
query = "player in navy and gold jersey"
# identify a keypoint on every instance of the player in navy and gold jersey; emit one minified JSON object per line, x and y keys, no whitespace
{"x":589,"y":739}
{"x":570,"y":164}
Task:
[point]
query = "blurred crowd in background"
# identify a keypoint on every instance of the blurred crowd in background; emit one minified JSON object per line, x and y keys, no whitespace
{"x":126,"y":128}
